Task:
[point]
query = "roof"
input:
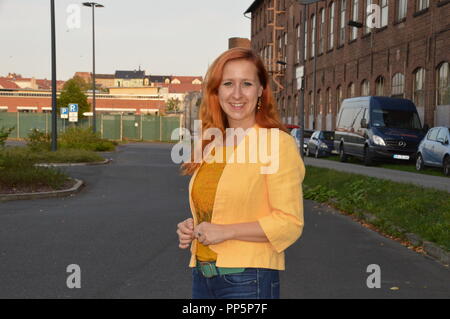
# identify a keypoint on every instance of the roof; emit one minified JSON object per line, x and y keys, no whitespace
{"x":184,"y":88}
{"x":129,"y":74}
{"x":104,"y":76}
{"x":158,"y":78}
{"x":7,"y":84}
{"x":253,"y":6}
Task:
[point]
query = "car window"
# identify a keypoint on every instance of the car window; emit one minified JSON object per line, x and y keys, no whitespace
{"x":307,"y":134}
{"x":328,"y":136}
{"x":442,"y":134}
{"x":432,"y":136}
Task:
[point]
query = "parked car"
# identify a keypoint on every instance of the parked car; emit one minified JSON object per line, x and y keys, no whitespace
{"x":434,"y":150}
{"x":378,"y":128}
{"x":320,"y":144}
{"x":290,"y":127}
{"x":306,"y":136}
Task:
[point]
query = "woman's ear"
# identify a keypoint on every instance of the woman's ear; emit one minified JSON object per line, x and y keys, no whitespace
{"x":260,"y":91}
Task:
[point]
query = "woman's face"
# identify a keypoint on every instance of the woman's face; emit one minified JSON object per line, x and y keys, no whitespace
{"x":239,"y":92}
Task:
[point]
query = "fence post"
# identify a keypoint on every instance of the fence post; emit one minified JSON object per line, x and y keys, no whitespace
{"x":160,"y":127}
{"x":121,"y":126}
{"x":140,"y":117}
{"x":18,"y":124}
{"x":101,"y":124}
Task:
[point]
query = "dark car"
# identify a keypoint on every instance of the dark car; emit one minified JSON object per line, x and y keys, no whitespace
{"x":378,"y":128}
{"x":320,"y":144}
{"x":306,"y":136}
{"x":434,"y":150}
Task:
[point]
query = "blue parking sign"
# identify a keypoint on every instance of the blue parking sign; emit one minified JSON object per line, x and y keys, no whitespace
{"x":64,"y":110}
{"x":73,"y":108}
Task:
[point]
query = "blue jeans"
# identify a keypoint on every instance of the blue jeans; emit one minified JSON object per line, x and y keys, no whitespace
{"x":253,"y":283}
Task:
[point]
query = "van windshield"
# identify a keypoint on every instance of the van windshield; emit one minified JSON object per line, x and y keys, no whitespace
{"x":395,"y":119}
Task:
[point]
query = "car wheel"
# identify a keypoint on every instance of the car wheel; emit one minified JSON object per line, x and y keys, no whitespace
{"x":342,"y":155}
{"x":419,"y":162}
{"x":447,"y":166}
{"x":316,"y":154}
{"x":367,"y":157}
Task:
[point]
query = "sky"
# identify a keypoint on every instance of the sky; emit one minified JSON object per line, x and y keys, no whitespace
{"x":163,"y":37}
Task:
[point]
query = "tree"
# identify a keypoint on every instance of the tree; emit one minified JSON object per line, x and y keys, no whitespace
{"x":173,"y":105}
{"x":72,"y":93}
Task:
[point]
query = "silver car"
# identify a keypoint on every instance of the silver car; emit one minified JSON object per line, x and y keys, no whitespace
{"x":434,"y":150}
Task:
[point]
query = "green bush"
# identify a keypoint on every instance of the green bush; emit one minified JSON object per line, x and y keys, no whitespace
{"x":17,"y":170}
{"x":38,"y":141}
{"x":84,"y":139}
{"x":4,"y":133}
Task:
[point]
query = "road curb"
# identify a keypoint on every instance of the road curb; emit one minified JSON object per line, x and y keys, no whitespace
{"x":59,"y":193}
{"x":106,"y":161}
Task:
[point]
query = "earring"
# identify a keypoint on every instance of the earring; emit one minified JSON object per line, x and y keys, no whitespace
{"x":259,"y":104}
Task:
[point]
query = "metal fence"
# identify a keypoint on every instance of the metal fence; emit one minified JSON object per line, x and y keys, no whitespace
{"x":110,"y":126}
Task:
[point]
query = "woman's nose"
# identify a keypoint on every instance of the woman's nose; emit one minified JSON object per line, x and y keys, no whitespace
{"x":237,"y":91}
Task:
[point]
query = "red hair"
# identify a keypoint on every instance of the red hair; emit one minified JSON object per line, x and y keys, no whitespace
{"x":211,"y":113}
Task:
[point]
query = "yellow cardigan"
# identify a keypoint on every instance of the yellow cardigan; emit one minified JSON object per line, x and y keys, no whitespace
{"x":245,"y":195}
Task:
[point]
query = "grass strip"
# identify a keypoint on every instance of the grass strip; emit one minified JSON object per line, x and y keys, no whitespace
{"x":417,"y":210}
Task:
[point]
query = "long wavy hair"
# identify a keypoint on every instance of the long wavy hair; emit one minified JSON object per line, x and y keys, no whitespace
{"x":211,"y":113}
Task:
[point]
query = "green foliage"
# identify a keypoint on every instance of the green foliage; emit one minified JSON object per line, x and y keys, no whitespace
{"x":422,"y":211}
{"x":38,"y":141}
{"x":17,"y":170}
{"x":4,"y":133}
{"x":173,"y":104}
{"x":84,"y":139}
{"x":73,"y":93}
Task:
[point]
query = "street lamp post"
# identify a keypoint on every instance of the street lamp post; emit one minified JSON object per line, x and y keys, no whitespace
{"x":93,"y":5}
{"x":54,"y":143}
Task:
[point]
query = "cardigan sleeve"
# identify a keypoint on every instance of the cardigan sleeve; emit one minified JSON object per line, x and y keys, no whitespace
{"x":285,"y":223}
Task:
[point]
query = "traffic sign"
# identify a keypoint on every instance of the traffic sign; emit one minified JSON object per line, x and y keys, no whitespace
{"x":73,"y":112}
{"x":64,"y":112}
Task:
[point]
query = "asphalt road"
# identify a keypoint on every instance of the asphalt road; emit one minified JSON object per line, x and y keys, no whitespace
{"x":120,"y":230}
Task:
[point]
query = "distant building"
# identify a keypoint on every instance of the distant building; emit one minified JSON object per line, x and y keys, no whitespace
{"x":129,"y":78}
{"x":28,"y":83}
{"x":239,"y":43}
{"x":407,"y":55}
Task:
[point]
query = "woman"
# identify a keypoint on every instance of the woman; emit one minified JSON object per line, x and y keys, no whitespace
{"x":243,"y":220}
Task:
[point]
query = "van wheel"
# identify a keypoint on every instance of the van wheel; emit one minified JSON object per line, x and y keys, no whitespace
{"x":342,"y":155}
{"x":419,"y":162}
{"x":447,"y":166}
{"x":367,"y":157}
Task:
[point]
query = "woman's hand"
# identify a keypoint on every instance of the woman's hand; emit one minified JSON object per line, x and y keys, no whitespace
{"x":185,"y":233}
{"x":211,"y":234}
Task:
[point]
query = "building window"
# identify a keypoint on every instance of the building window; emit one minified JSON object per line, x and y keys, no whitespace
{"x":384,"y":12}
{"x":329,"y":103}
{"x":351,"y":90}
{"x":355,"y":17}
{"x":339,"y":98}
{"x":443,"y":85}
{"x":321,"y":106}
{"x":422,"y":4}
{"x":398,"y":85}
{"x":419,"y":88}
{"x":331,"y":28}
{"x":367,"y":11}
{"x":365,"y":88}
{"x":342,"y":22}
{"x":298,"y":42}
{"x":322,"y":31}
{"x":379,"y":86}
{"x":306,"y":41}
{"x":402,"y":6}
{"x":313,"y":36}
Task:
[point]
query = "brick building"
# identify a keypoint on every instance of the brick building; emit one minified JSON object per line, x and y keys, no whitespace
{"x":407,"y":54}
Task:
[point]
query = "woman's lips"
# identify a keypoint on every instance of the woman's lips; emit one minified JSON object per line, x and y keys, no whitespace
{"x":237,"y":106}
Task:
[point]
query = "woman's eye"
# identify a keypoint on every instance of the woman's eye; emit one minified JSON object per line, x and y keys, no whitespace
{"x":248,"y":84}
{"x":227,"y":84}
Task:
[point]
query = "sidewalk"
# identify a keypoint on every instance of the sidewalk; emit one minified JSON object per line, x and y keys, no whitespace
{"x":436,"y":182}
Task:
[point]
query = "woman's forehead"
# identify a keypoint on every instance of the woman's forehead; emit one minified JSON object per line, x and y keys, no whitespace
{"x":240,"y":69}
